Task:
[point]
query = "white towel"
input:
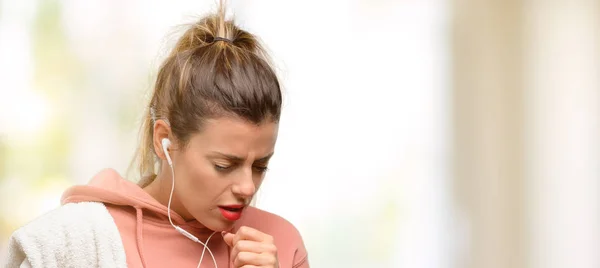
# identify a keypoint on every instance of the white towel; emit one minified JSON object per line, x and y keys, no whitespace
{"x":74,"y":235}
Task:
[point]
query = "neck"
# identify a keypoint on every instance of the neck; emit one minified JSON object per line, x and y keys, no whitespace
{"x":160,"y":189}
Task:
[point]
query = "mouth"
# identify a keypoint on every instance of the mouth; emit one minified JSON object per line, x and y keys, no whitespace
{"x":232,"y":212}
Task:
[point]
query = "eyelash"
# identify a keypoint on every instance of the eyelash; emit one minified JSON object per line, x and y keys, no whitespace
{"x":223,"y":169}
{"x":262,"y":169}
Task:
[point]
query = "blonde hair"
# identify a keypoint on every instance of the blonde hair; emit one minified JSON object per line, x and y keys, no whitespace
{"x":215,"y":69}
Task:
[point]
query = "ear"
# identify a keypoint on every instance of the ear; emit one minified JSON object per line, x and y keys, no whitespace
{"x":161,"y":130}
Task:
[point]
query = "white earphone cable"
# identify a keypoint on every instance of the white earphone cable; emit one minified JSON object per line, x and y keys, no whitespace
{"x":204,"y":250}
{"x":179,"y":228}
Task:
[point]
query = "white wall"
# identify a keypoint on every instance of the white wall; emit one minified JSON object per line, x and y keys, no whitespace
{"x":564,"y":133}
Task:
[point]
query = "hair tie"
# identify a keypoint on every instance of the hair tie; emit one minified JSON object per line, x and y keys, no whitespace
{"x":222,"y":39}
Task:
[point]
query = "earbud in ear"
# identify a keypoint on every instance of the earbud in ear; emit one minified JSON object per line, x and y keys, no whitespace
{"x":165,"y":145}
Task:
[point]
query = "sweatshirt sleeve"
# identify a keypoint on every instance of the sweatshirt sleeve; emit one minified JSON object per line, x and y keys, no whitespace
{"x":301,"y":255}
{"x":301,"y":260}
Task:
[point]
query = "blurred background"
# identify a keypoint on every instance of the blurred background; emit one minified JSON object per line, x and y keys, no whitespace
{"x":415,"y":133}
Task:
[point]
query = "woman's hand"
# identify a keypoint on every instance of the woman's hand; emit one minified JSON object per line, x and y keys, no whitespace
{"x":251,"y":249}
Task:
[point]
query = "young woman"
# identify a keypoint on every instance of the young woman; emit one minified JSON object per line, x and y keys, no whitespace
{"x":209,"y":133}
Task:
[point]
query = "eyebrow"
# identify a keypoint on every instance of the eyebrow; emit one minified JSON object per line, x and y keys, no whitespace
{"x":241,"y":159}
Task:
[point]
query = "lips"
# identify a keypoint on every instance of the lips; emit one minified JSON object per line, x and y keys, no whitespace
{"x":232,"y":212}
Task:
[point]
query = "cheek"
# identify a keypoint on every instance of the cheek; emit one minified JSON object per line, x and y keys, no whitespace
{"x":258,"y":180}
{"x":198,"y":178}
{"x":203,"y":184}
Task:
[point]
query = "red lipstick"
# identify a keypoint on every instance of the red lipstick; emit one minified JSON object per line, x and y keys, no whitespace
{"x":232,"y":212}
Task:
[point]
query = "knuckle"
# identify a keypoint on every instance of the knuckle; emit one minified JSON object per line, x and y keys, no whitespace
{"x":271,"y":259}
{"x":272,"y":249}
{"x":244,"y":257}
{"x":238,"y":260}
{"x":241,"y":245}
{"x":269,"y":238}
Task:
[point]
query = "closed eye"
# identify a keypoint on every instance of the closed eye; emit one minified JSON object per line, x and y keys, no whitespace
{"x":221,"y":168}
{"x":261,"y":169}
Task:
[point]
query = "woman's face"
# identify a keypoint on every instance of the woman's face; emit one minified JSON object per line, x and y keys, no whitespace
{"x":222,"y":167}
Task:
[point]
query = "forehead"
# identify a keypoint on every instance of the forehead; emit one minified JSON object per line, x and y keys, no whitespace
{"x":235,"y":135}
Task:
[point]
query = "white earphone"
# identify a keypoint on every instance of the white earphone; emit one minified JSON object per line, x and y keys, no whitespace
{"x":165,"y":146}
{"x":166,"y":143}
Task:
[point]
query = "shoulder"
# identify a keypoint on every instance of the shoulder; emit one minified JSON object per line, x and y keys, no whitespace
{"x":64,"y":234}
{"x":289,"y":242}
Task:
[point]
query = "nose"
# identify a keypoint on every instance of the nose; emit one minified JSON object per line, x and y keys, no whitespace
{"x":245,"y":186}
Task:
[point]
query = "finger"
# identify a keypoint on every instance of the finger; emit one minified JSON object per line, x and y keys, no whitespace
{"x":251,"y":258}
{"x":252,"y":246}
{"x":245,"y":245}
{"x":228,"y":238}
{"x":248,"y":233}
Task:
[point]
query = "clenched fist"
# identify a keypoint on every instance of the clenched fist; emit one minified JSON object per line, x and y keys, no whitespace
{"x":251,"y":249}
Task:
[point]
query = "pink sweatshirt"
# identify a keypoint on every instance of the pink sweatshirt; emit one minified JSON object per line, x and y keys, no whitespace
{"x":150,"y":240}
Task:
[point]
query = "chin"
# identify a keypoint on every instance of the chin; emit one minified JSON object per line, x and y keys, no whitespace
{"x":218,"y":224}
{"x":223,"y":226}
